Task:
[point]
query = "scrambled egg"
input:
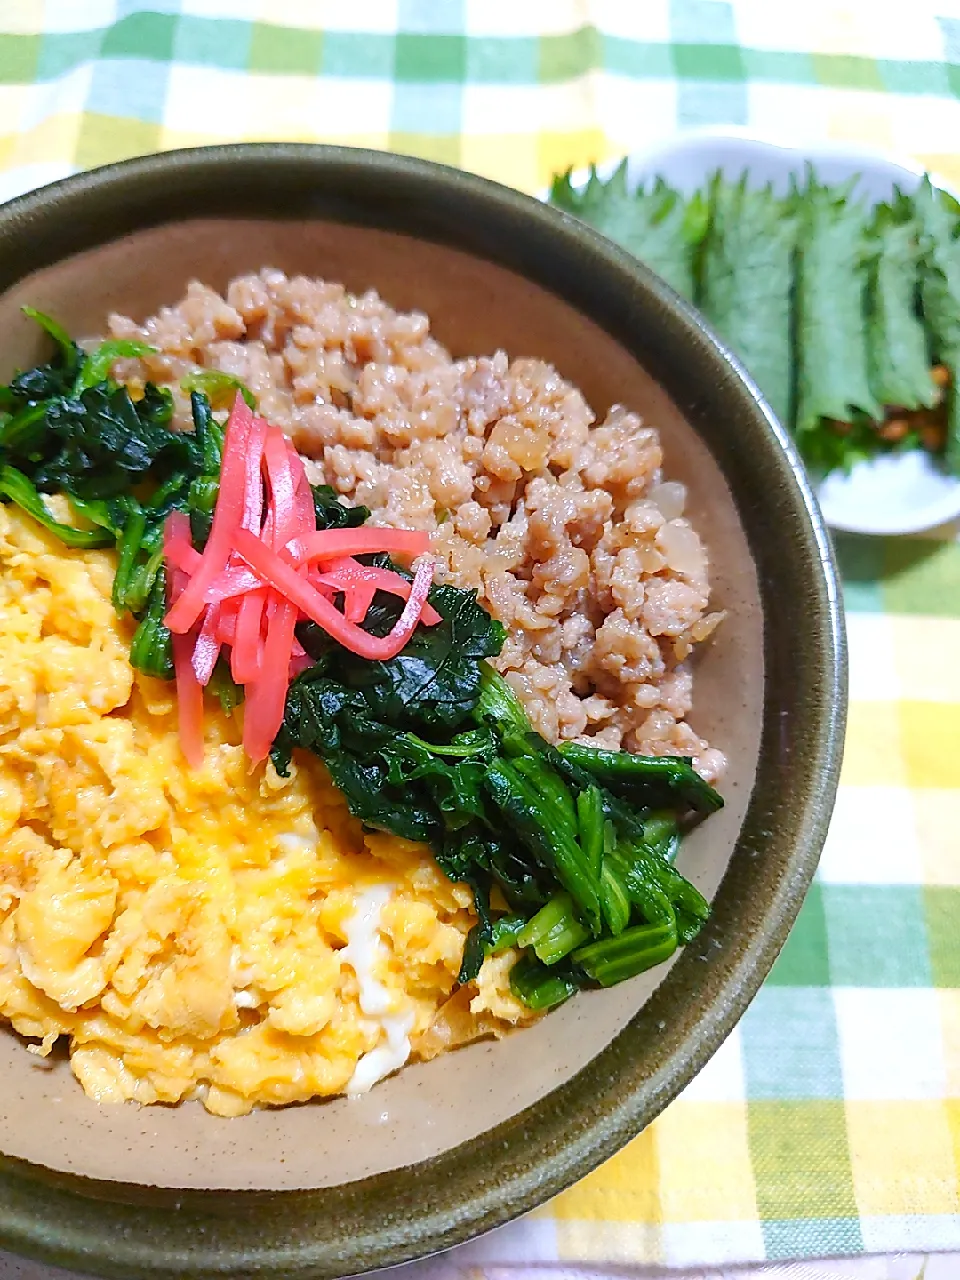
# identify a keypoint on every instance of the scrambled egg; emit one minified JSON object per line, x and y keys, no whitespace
{"x":187,"y":932}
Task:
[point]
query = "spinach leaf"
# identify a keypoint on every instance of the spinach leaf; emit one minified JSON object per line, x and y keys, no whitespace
{"x":435,"y":681}
{"x":55,"y":378}
{"x":331,"y":513}
{"x":219,"y":388}
{"x":208,"y":432}
{"x":67,"y":428}
{"x":151,"y":650}
{"x":228,"y":694}
{"x":336,"y":723}
{"x":648,"y":780}
{"x":98,"y":363}
{"x":502,"y":811}
{"x":15,"y":487}
{"x":453,"y":774}
{"x":102,"y":443}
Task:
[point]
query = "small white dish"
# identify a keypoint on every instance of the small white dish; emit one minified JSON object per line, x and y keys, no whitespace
{"x":890,"y":494}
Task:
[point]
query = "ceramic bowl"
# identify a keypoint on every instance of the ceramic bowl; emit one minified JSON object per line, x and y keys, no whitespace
{"x":894,"y":493}
{"x":446,"y":1150}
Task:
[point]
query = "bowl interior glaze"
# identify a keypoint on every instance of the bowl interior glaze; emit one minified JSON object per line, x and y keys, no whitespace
{"x":494,"y":1128}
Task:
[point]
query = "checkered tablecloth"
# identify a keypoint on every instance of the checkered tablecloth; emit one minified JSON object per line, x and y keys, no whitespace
{"x":829,"y":1123}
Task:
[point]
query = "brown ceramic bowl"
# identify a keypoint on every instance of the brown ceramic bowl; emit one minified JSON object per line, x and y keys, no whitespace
{"x":446,"y":1150}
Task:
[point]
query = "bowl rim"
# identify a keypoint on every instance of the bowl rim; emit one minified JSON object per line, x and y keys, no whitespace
{"x":124,"y":1230}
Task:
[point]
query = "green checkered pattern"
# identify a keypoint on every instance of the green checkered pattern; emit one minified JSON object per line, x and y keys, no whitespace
{"x":830,"y":1120}
{"x":511,"y":90}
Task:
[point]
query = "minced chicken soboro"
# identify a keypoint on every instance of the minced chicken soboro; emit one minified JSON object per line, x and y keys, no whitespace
{"x":564,"y":525}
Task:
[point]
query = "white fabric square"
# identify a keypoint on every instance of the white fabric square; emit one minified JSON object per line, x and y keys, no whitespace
{"x":234,"y":104}
{"x":208,"y":99}
{"x":240,"y":10}
{"x":345,"y":107}
{"x":873,"y":658}
{"x":934,"y":677}
{"x":17,"y":105}
{"x":823,"y":26}
{"x":67,"y":95}
{"x":635,"y":114}
{"x":872,"y":838}
{"x":896,"y":1233}
{"x":793,"y":115}
{"x":648,"y":23}
{"x":721,"y":1080}
{"x":507,"y":108}
{"x":890,"y":1043}
{"x":527,"y":1240}
{"x":56,"y":16}
{"x":377,"y":17}
{"x":15,"y":182}
{"x":920,"y":122}
{"x":686,"y":1244}
{"x":529,"y":18}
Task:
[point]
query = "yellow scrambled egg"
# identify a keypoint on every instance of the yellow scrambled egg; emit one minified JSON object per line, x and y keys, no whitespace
{"x":186,"y":931}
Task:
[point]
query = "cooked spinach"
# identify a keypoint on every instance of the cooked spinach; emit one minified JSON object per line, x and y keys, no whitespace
{"x":66,"y":427}
{"x":98,"y":363}
{"x":644,"y":777}
{"x":220,"y":388}
{"x":435,"y":681}
{"x":331,"y":513}
{"x":15,"y":487}
{"x":101,"y":443}
{"x":561,"y":836}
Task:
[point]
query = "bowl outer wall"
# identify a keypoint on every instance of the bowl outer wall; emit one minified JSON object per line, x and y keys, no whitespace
{"x":126,"y":1230}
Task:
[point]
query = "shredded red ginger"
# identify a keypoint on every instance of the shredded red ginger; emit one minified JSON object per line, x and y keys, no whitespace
{"x":265,"y":567}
